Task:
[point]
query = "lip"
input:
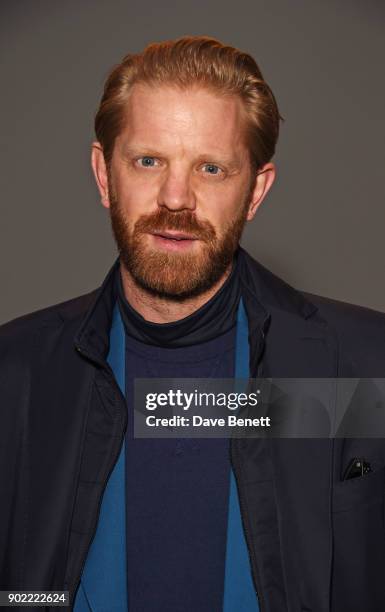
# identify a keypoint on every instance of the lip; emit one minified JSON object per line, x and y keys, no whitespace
{"x":171,"y":235}
{"x":174,"y":242}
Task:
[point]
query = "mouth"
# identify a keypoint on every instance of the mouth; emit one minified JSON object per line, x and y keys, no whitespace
{"x":172,"y":240}
{"x":171,"y":235}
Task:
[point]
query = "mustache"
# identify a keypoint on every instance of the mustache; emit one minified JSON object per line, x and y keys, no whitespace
{"x":182,"y":221}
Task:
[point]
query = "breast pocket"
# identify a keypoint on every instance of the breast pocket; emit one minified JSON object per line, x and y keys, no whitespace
{"x":362,"y":491}
{"x":358,"y":579}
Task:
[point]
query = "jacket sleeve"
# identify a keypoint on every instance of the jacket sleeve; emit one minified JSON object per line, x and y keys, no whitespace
{"x":16,"y":355}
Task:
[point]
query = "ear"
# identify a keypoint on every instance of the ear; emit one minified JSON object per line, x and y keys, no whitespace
{"x":263,"y":181}
{"x":100,"y":172}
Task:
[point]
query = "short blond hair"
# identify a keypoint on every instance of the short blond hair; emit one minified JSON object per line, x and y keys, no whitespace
{"x":188,"y":61}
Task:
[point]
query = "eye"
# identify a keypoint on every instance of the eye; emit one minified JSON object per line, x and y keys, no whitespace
{"x":213,"y":169}
{"x":146,"y":161}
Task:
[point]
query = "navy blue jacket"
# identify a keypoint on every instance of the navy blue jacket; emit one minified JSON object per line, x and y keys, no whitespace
{"x":316,"y":542}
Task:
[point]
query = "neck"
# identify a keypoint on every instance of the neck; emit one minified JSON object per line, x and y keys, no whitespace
{"x":165,"y":310}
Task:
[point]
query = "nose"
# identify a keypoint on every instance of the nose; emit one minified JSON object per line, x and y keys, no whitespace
{"x":175,"y":192}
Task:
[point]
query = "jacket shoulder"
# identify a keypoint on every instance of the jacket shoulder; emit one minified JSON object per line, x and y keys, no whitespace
{"x":360,"y":334}
{"x":346,"y":314}
{"x":26,"y":345}
{"x":22,"y":327}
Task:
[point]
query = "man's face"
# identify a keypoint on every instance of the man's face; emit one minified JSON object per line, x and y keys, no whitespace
{"x":179,"y":186}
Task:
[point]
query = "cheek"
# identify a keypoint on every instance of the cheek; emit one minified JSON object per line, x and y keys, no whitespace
{"x":220,"y":212}
{"x":136,"y":197}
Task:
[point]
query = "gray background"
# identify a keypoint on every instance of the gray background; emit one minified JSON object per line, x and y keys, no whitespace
{"x":321,"y":227}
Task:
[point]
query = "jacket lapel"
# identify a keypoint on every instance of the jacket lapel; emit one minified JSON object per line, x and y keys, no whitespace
{"x":302,"y":468}
{"x":288,"y":481}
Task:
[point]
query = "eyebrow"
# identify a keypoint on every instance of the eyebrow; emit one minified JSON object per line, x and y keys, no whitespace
{"x":220,"y":158}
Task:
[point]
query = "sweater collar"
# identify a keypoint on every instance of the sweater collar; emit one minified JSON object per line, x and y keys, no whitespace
{"x":212,"y":319}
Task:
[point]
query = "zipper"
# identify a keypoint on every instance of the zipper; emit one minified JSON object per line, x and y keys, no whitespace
{"x":106,"y":366}
{"x":234,"y":455}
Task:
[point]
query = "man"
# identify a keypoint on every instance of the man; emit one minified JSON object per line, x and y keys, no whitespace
{"x":186,"y":131}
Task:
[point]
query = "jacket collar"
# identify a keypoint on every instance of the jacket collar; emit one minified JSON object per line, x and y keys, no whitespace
{"x":264,"y":295}
{"x":270,"y":291}
{"x":92,"y":336}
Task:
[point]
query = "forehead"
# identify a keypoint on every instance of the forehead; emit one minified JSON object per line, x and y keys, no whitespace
{"x":194,"y":119}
